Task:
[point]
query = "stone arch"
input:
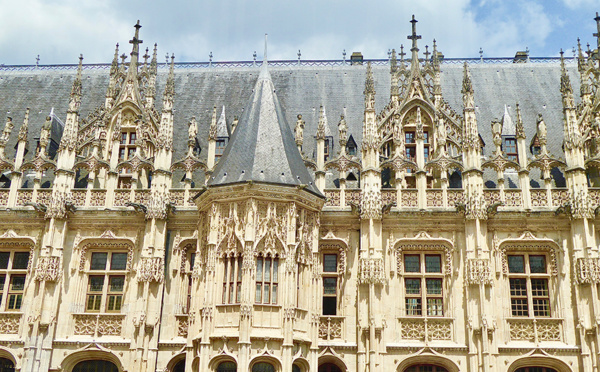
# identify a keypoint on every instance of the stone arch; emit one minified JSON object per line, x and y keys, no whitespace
{"x":424,"y":242}
{"x":302,"y":363}
{"x":218,"y":359}
{"x":431,"y":359}
{"x":267,"y":359}
{"x":7,"y":354}
{"x":173,"y":362}
{"x":70,"y":361}
{"x":333,"y":359}
{"x":528,"y":242}
{"x":540,"y":361}
{"x":105,"y":242}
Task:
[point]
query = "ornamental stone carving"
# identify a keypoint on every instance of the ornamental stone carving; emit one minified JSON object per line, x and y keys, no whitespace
{"x":151,"y":269}
{"x":9,"y":323}
{"x":478,"y":271}
{"x":587,"y":271}
{"x":48,"y":269}
{"x":371,"y":271}
{"x":371,"y":204}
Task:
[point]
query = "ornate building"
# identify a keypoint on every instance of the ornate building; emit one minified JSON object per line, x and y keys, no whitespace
{"x":421,"y":235}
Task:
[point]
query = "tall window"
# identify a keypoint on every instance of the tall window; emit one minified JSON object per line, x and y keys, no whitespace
{"x":232,"y":280}
{"x":106,"y":281}
{"x":330,"y":284}
{"x":13,"y":273}
{"x":127,"y":145}
{"x":423,"y":284}
{"x":510,"y":148}
{"x":528,"y":278}
{"x":410,"y":145}
{"x":191,"y":258}
{"x":266,"y":279}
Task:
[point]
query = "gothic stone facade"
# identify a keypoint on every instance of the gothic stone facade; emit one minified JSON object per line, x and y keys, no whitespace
{"x":417,"y":245}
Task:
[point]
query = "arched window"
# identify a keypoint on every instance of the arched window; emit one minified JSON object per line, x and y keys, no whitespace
{"x":6,"y":365}
{"x":95,"y":366}
{"x":329,"y":367}
{"x":180,"y":366}
{"x":536,"y":369}
{"x":296,"y":368}
{"x":227,"y":367}
{"x":263,"y":367}
{"x":425,"y":368}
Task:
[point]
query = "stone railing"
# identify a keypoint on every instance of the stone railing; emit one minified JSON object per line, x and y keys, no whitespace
{"x":513,"y":198}
{"x":539,"y":197}
{"x":426,"y":329}
{"x":24,"y":196}
{"x":535,"y":330}
{"x":177,"y":197}
{"x":9,"y":323}
{"x":99,"y":324}
{"x":594,"y":194}
{"x":98,"y":198}
{"x":331,"y":327}
{"x":142,"y":196}
{"x":44,"y":196}
{"x":491,"y":196}
{"x":410,"y":198}
{"x":122,"y":197}
{"x":78,"y":197}
{"x":435,"y":197}
{"x":389,"y":196}
{"x":4,"y":197}
{"x":183,"y":322}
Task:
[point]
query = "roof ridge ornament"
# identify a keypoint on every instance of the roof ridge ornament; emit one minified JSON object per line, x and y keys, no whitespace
{"x":414,"y":37}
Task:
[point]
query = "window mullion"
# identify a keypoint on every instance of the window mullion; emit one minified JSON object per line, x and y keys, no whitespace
{"x":105,"y":285}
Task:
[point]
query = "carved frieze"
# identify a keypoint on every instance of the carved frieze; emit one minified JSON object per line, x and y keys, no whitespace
{"x":478,"y":271}
{"x":151,"y":269}
{"x":371,"y":271}
{"x":48,"y":269}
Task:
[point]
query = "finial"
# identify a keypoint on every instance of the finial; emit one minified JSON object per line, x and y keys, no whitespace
{"x":37,"y":60}
{"x":344,"y":55}
{"x":427,"y":53}
{"x":123,"y":58}
{"x":414,"y":37}
{"x":136,"y":38}
{"x":481,"y":53}
{"x":299,"y":55}
{"x":254,"y":56}
{"x":146,"y":56}
{"x":597,"y":34}
{"x":167,"y":59}
{"x":265,"y":60}
{"x":402,"y":54}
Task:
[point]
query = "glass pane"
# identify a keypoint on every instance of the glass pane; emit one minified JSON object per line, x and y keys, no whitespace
{"x":4,"y":260}
{"x":116,"y":283}
{"x":330,"y":263}
{"x":20,"y":261}
{"x":433,"y":264}
{"x":267,"y":270}
{"x":98,"y":261}
{"x":96,"y":283}
{"x":2,"y":281}
{"x":14,"y":301}
{"x":434,"y":286}
{"x":115,"y":302}
{"x":275,"y":268}
{"x":412,"y":263}
{"x":329,"y":286}
{"x":413,"y":286}
{"x":541,"y":307}
{"x":267,"y":294}
{"x":238,"y":291}
{"x":17,"y":282}
{"x":518,"y":307}
{"x":95,"y":366}
{"x":274,"y":297}
{"x":259,"y":267}
{"x":516,"y":264}
{"x":413,"y":306}
{"x":239,"y":269}
{"x":329,"y":305}
{"x":434,"y":307}
{"x":263,"y":367}
{"x":118,"y":261}
{"x":537,"y":264}
{"x":258,"y":293}
{"x":539,"y":287}
{"x":518,"y":287}
{"x":192,"y":261}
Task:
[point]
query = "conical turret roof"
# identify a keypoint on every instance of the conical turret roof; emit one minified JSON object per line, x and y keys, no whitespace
{"x":262,"y":148}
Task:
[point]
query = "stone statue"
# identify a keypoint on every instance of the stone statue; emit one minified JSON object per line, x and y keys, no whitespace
{"x":541,"y":130}
{"x":299,"y":130}
{"x":343,"y":129}
{"x":8,"y":127}
{"x":192,"y":129}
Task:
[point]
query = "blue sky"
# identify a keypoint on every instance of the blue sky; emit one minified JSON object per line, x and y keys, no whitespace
{"x":59,"y":30}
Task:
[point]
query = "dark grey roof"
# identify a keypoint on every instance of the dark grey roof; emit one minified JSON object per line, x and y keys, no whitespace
{"x":262,"y":147}
{"x":300,"y":90}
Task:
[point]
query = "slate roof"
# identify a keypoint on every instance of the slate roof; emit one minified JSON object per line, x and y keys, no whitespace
{"x":262,"y":147}
{"x":300,"y":90}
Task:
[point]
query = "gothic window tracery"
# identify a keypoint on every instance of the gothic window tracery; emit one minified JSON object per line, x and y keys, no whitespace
{"x":13,"y":276}
{"x":267,"y":275}
{"x":232,"y":279}
{"x":106,"y":281}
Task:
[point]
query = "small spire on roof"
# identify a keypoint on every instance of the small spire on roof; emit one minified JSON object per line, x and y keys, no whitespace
{"x":597,"y":34}
{"x":264,"y":68}
{"x":414,"y":37}
{"x":508,"y":126}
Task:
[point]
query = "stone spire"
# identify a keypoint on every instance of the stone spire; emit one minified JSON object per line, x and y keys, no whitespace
{"x":597,"y":34}
{"x":471,"y":142}
{"x":414,"y":37}
{"x":395,"y":89}
{"x":369,"y":89}
{"x":112,"y":82}
{"x":165,"y":136}
{"x":262,"y":149}
{"x":135,"y":51}
{"x":69,"y":137}
{"x":151,"y":86}
{"x":222,"y":125}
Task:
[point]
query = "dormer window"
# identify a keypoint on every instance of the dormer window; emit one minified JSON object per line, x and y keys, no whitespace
{"x":220,"y":147}
{"x":509,"y":146}
{"x":328,"y":147}
{"x":351,"y":146}
{"x":535,"y":147}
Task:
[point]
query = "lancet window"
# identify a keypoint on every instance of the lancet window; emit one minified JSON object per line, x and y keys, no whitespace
{"x":330,"y":284}
{"x":267,"y":276}
{"x":13,"y":275}
{"x":106,"y":281}
{"x":232,"y":279}
{"x":189,"y":269}
{"x":529,"y":285}
{"x":423,"y":284}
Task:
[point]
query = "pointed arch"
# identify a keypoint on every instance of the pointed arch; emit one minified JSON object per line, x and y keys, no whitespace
{"x":539,"y":360}
{"x":89,"y":353}
{"x":430,"y":359}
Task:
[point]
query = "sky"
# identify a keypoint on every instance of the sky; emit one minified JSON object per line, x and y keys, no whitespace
{"x":59,"y":30}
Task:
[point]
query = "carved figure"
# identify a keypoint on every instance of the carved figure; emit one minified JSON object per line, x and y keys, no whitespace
{"x":299,"y":130}
{"x":343,"y":128}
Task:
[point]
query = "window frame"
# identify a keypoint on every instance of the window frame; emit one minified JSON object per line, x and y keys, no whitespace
{"x":533,"y":301}
{"x":272,"y":282}
{"x":424,"y":277}
{"x":8,"y":274}
{"x":332,"y":276}
{"x":108,"y":274}
{"x":232,"y":279}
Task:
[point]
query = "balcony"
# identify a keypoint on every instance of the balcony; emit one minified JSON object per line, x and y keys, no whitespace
{"x":535,"y":330}
{"x":98,"y":324}
{"x":426,"y":329}
{"x":331,"y":327}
